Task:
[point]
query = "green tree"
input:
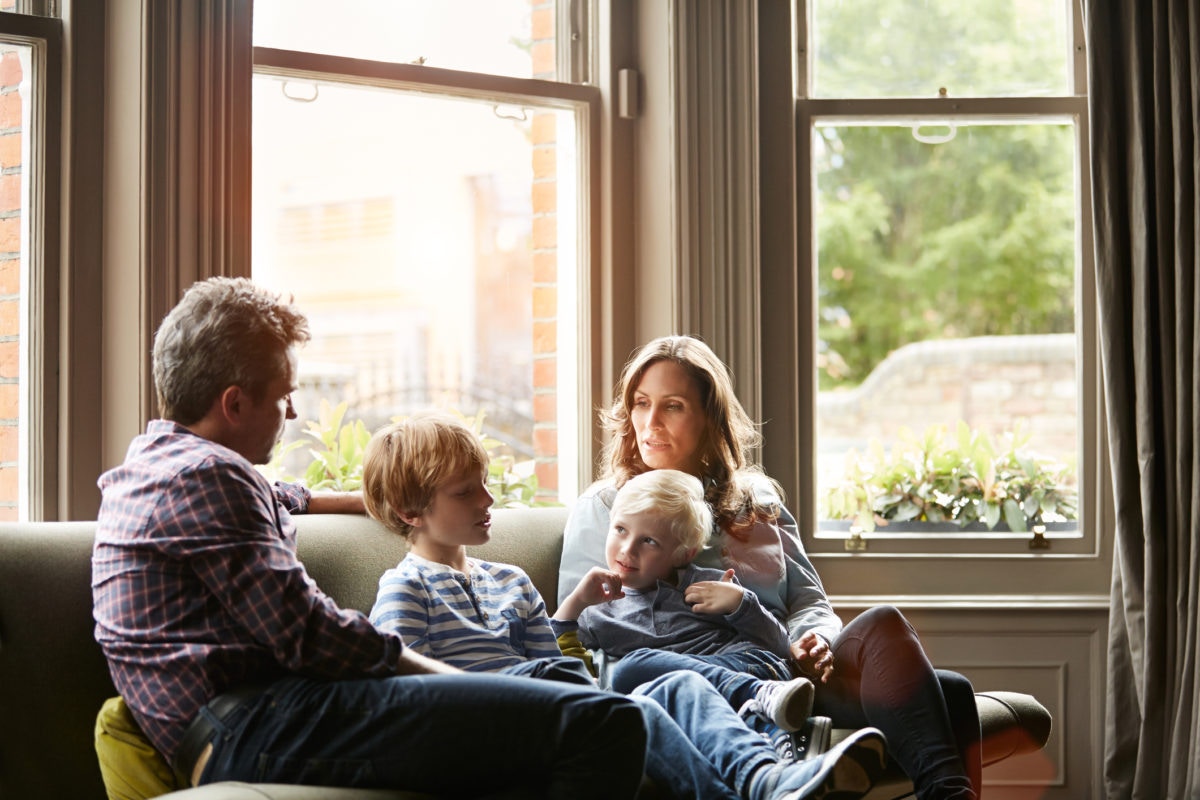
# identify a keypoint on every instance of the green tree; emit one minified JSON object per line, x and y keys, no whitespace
{"x":973,"y":236}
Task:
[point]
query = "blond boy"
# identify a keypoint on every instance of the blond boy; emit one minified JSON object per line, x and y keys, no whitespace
{"x":656,"y":612}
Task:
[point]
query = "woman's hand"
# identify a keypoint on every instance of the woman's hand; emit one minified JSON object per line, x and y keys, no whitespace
{"x":715,"y":597}
{"x":599,"y":585}
{"x":814,"y":657}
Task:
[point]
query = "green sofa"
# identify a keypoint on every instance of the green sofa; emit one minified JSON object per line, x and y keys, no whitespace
{"x":53,"y":678}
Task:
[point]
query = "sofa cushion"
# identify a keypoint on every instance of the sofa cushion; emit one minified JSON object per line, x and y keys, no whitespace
{"x":129,"y":765}
{"x":347,"y":555}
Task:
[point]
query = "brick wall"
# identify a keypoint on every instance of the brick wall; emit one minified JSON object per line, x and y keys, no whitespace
{"x":545,"y":261}
{"x":10,"y":276}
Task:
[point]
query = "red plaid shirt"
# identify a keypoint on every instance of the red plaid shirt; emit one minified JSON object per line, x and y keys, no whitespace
{"x":197,"y":588}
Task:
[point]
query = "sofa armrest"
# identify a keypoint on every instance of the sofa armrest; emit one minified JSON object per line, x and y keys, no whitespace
{"x":1011,"y":724}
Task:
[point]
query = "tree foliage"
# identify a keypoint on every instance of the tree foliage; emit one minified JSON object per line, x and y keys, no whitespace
{"x":915,"y":241}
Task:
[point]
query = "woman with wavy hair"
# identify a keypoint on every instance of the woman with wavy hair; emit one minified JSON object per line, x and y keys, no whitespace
{"x":675,"y":408}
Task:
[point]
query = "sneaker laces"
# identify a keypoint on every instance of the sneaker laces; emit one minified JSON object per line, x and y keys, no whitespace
{"x":784,"y":744}
{"x":779,"y":701}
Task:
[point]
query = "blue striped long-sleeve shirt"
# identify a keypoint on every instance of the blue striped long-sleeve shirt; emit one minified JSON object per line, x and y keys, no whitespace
{"x":484,"y":620}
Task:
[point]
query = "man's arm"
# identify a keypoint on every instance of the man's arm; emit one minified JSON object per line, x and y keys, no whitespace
{"x":336,"y":503}
{"x":416,"y":664}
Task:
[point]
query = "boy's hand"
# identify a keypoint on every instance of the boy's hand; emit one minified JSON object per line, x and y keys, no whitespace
{"x":715,"y":597}
{"x":599,"y":585}
{"x":813,"y":656}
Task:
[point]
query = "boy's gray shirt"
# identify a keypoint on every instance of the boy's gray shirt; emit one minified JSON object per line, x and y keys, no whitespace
{"x":660,"y":618}
{"x":788,"y":586}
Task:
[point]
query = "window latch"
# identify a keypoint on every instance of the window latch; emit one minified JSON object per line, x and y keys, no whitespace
{"x":855,"y":543}
{"x":1039,"y":540}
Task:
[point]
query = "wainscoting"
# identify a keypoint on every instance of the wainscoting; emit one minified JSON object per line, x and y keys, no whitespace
{"x":1054,"y":652}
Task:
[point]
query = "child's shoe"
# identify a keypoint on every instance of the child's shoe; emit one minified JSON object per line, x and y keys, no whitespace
{"x":813,"y":739}
{"x":786,"y":704}
{"x":846,"y":772}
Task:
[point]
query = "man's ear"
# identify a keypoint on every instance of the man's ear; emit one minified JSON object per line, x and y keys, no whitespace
{"x":231,"y":403}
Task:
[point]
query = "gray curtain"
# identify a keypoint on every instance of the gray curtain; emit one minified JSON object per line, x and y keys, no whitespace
{"x":1144,"y":77}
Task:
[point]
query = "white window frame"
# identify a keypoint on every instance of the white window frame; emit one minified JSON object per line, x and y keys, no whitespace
{"x":800,"y":484}
{"x":576,"y":345}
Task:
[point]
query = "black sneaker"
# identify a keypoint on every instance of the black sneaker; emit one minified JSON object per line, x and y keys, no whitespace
{"x":812,"y":739}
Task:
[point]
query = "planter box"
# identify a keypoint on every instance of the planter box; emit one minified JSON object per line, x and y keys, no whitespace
{"x":909,"y":527}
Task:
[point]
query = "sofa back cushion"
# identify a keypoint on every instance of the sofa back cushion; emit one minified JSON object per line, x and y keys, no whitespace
{"x":53,"y":677}
{"x":346,"y":555}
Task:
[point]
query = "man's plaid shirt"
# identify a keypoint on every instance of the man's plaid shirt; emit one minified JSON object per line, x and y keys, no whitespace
{"x":197,"y":588}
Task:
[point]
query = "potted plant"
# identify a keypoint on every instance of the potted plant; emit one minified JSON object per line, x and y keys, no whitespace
{"x":336,"y":447}
{"x":962,"y":480}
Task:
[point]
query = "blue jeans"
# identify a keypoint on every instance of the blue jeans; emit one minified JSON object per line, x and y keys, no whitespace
{"x":736,"y":676}
{"x":453,"y":734}
{"x":883,"y":678}
{"x":443,"y":734}
{"x":696,"y":745}
{"x":564,"y":669}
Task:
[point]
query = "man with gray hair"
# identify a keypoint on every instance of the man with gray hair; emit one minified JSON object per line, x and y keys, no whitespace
{"x":236,"y":665}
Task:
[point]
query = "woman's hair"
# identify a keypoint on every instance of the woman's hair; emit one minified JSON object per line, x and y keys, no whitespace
{"x":224,"y":332}
{"x":729,"y":433}
{"x":406,"y":462}
{"x":676,"y":498}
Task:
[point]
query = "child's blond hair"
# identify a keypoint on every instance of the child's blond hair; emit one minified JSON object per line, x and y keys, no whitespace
{"x":407,"y":461}
{"x":676,"y":498}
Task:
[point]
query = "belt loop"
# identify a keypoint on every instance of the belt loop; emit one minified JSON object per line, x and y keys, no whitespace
{"x":207,"y":726}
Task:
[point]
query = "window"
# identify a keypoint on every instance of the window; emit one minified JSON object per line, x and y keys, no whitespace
{"x":434,"y":223}
{"x":513,"y":38}
{"x":29,"y":52}
{"x":946,"y":219}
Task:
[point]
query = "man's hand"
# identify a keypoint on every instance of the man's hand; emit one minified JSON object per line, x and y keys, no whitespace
{"x":599,"y":585}
{"x":715,"y":597}
{"x":814,"y":657}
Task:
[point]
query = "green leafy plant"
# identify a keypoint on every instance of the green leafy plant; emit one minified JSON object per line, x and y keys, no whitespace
{"x":510,"y":483}
{"x":962,"y":479}
{"x":336,"y":447}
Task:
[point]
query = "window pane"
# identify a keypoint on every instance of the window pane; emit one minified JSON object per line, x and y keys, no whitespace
{"x":915,"y":48}
{"x":946,"y":296}
{"x":37,"y":8}
{"x":15,"y":74}
{"x":419,"y":233}
{"x":491,"y":36}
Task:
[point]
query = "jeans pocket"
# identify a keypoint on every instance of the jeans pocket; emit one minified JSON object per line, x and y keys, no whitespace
{"x":348,"y":772}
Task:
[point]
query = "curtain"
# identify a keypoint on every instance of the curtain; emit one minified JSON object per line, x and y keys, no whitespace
{"x":1144,"y":76}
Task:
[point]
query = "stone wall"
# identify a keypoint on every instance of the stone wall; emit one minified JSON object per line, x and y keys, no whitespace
{"x":989,"y":382}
